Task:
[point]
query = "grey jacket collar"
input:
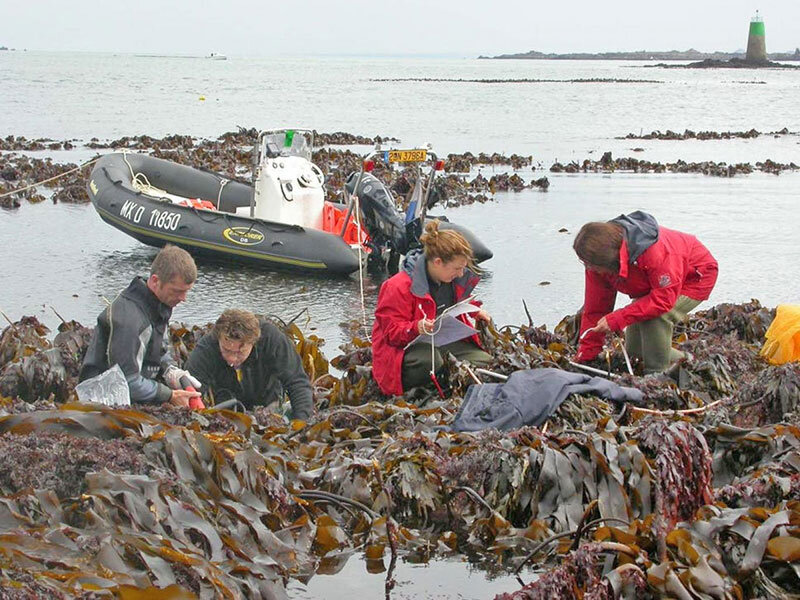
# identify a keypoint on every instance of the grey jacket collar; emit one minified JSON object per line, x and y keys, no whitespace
{"x":641,"y":232}
{"x":415,"y":266}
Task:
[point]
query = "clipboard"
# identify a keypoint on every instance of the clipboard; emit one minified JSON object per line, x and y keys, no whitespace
{"x":447,"y":328}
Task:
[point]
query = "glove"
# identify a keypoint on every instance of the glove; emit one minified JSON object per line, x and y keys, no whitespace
{"x":173,"y":376}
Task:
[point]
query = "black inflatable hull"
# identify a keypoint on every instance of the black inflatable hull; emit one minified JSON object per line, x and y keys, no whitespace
{"x":217,"y":234}
{"x":212,"y":233}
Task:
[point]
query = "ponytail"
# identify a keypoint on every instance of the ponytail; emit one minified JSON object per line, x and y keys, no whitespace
{"x":446,"y":244}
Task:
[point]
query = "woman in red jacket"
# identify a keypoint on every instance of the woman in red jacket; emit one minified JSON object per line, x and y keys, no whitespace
{"x":666,"y":272}
{"x":432,"y":279}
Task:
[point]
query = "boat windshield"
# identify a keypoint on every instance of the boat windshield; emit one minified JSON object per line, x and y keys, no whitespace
{"x":289,"y":142}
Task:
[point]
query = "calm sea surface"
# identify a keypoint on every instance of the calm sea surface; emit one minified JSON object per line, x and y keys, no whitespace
{"x":64,"y":257}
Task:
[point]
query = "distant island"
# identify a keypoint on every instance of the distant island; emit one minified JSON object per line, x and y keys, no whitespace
{"x":690,"y":54}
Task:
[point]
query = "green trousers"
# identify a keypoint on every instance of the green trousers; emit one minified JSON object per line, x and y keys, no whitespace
{"x":651,"y":341}
{"x":417,"y":360}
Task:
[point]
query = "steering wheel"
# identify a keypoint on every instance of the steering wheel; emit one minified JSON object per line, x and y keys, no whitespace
{"x":318,"y":173}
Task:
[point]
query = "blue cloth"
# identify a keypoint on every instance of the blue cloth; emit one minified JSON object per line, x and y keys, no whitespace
{"x":529,"y":397}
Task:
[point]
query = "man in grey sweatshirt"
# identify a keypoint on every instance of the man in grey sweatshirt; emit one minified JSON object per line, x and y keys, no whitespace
{"x":131,"y":332}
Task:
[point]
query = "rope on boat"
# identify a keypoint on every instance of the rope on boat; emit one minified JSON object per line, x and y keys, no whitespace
{"x":222,"y":184}
{"x":65,"y":173}
{"x":141,"y":184}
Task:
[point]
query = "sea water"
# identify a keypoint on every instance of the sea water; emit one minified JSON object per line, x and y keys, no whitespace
{"x":64,"y":258}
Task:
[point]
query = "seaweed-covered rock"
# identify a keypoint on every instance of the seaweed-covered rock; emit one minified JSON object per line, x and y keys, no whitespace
{"x":39,"y":376}
{"x":772,"y":396}
{"x":580,"y":576}
{"x":21,"y":339}
{"x":749,"y":321}
{"x":172,"y":497}
{"x":682,"y":463}
{"x":60,"y":462}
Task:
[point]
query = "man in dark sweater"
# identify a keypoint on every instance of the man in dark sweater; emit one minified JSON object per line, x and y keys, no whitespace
{"x":251,"y":360}
{"x":131,"y":332}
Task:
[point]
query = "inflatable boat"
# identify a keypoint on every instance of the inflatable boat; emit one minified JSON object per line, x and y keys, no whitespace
{"x":282,"y":221}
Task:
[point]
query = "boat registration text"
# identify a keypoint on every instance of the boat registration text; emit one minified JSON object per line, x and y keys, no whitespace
{"x":163,"y":219}
{"x":408,"y":155}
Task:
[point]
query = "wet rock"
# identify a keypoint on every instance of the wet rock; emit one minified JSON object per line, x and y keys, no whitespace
{"x":542,"y":183}
{"x":341,"y":138}
{"x":9,"y":173}
{"x":733,"y":63}
{"x":607,"y":164}
{"x":770,"y":397}
{"x":60,"y":462}
{"x":704,"y":135}
{"x":21,"y":143}
{"x":33,"y":368}
{"x":73,"y":193}
{"x":231,"y":156}
{"x":516,"y":81}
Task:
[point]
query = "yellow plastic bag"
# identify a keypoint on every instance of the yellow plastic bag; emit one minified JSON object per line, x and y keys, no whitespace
{"x":783,"y":336}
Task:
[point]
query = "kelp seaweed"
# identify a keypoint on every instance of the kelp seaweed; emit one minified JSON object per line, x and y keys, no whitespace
{"x":675,"y":498}
{"x":35,"y":369}
{"x":230,"y":155}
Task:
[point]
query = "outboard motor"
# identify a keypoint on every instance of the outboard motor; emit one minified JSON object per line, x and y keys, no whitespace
{"x":383,"y":222}
{"x":388,"y":227}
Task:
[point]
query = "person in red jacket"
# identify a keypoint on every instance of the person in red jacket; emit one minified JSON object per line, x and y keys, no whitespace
{"x":666,"y":272}
{"x":432,"y":279}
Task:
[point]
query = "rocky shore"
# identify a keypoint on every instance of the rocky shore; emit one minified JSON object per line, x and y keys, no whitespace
{"x":645,"y":55}
{"x":230,"y":155}
{"x":688,"y":134}
{"x":733,"y":63}
{"x":609,"y":164}
{"x":697,"y":488}
{"x":579,"y":80}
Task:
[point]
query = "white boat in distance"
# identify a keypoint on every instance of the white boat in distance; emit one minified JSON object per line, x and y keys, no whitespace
{"x":215,"y":56}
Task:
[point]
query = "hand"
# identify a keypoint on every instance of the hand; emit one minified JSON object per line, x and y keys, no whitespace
{"x":602,"y":326}
{"x":182,"y":397}
{"x":425,"y":326}
{"x":482,"y":315}
{"x":583,"y":357}
{"x":173,"y":376}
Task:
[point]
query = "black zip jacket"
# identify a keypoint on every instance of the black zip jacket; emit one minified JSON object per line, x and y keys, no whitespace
{"x":130,"y":333}
{"x":273,"y":367}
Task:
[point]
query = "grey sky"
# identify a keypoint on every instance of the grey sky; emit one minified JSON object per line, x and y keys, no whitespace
{"x":365,"y":27}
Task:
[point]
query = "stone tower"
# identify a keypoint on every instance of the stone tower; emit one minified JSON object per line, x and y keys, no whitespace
{"x":756,"y":42}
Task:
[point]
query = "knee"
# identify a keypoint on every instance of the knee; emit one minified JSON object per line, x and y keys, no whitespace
{"x":664,"y":320}
{"x":481,"y":359}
